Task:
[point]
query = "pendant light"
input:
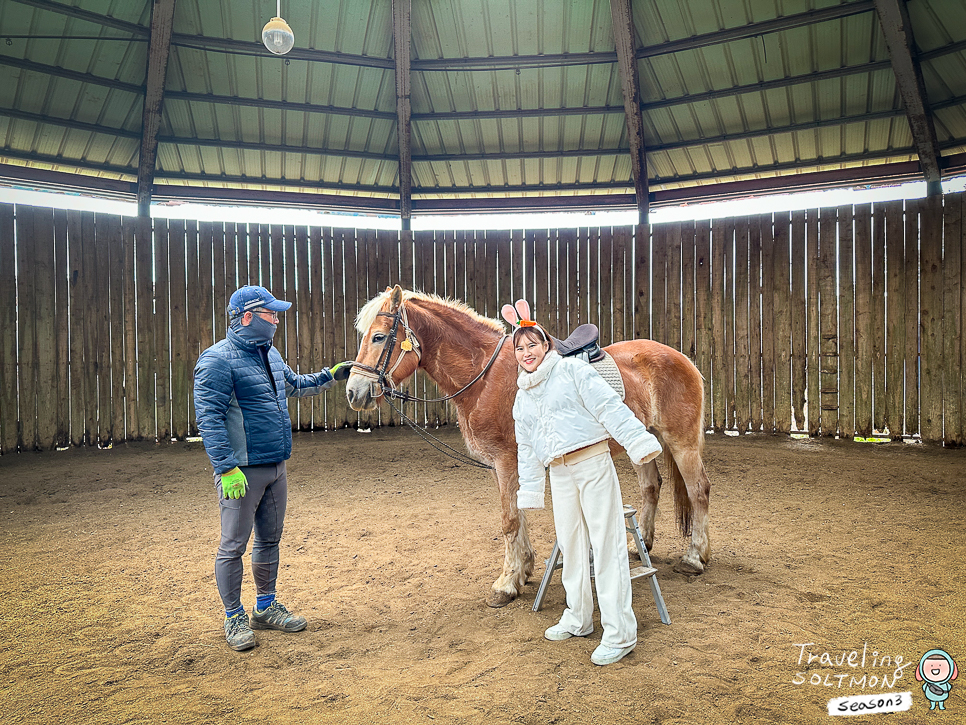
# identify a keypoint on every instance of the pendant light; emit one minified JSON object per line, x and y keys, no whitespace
{"x":277,"y":35}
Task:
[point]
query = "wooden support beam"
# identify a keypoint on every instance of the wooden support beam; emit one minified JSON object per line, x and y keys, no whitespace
{"x":625,"y":40}
{"x":894,"y":20}
{"x":402,"y":39}
{"x":162,"y":21}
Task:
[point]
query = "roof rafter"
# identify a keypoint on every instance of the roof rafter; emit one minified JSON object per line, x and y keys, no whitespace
{"x":479,"y":156}
{"x":894,"y":20}
{"x":402,"y":44}
{"x":162,"y":21}
{"x":625,"y":42}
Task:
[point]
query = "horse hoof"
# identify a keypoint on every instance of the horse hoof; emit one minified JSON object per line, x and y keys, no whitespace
{"x":690,"y":568}
{"x":497,"y":599}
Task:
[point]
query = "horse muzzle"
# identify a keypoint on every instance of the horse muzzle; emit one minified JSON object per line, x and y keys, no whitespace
{"x":362,"y":392}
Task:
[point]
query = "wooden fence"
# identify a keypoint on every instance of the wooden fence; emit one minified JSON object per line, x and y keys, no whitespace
{"x":842,"y":321}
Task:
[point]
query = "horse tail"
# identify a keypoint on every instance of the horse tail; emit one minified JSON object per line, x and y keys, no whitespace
{"x":683,"y":510}
{"x":683,"y":506}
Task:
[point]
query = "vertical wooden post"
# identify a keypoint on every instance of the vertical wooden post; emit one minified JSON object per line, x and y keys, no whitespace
{"x":895,"y":318}
{"x":180,"y":370}
{"x":62,"y":332}
{"x":147,"y":363}
{"x":878,"y":317}
{"x":303,"y":315}
{"x":798,"y":309}
{"x":952,"y":318}
{"x":762,"y":264}
{"x":659,"y":277}
{"x":703,"y":332}
{"x":606,"y":282}
{"x":46,"y":316}
{"x":9,"y":408}
{"x":863,"y":314}
{"x":687,"y":288}
{"x":813,"y":339}
{"x":783,"y":325}
{"x":642,"y":281}
{"x":129,"y":294}
{"x":828,"y":327}
{"x":846,"y":323}
{"x":162,"y":348}
{"x":931,"y":301}
{"x":719,"y":396}
{"x":741,"y":334}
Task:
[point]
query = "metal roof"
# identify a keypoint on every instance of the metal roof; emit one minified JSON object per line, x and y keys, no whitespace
{"x":510,"y":99}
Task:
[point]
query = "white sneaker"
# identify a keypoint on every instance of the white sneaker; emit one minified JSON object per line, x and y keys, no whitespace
{"x":604,"y":655}
{"x":557,"y":633}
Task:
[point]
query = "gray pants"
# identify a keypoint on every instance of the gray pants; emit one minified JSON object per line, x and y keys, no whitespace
{"x":261,"y":509}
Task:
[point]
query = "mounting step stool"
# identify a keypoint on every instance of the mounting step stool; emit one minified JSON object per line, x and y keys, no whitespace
{"x":646,"y":570}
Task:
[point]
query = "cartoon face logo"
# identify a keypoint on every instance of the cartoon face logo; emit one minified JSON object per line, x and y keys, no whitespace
{"x":935,"y":671}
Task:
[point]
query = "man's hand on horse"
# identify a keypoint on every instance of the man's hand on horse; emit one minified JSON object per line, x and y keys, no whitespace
{"x":341,"y":371}
{"x":233,"y":483}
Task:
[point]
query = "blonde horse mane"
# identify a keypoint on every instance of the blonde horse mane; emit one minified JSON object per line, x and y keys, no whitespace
{"x":367,"y":315}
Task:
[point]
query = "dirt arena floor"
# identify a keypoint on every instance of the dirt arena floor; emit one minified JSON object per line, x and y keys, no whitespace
{"x":109,"y":613}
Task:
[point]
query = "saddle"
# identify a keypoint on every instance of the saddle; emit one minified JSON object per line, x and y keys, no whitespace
{"x":582,"y":343}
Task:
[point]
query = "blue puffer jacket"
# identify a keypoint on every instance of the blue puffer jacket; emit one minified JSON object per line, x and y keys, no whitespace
{"x":242,"y":420}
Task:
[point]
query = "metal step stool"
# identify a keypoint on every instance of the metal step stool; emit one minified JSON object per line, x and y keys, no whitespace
{"x":646,"y":570}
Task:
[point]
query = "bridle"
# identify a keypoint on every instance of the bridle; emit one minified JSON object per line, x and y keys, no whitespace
{"x":381,"y":374}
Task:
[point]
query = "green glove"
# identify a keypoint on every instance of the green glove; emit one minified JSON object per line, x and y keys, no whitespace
{"x":233,"y":483}
{"x":342,"y":370}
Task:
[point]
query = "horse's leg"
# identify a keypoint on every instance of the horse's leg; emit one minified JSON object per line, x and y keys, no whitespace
{"x":518,"y":555}
{"x":649,"y":479}
{"x":692,"y":490}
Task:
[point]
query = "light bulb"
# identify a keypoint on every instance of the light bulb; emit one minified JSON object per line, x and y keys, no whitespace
{"x":278,"y":36}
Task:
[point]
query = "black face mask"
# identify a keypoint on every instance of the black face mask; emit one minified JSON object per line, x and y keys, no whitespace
{"x":258,"y":331}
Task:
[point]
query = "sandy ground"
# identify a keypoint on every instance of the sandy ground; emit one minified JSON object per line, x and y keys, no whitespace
{"x":109,"y":613}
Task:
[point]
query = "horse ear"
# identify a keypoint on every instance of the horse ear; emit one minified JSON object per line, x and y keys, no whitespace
{"x":510,"y":314}
{"x":395,"y":299}
{"x":523,"y":308}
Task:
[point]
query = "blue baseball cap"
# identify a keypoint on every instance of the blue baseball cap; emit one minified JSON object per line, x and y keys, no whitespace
{"x":252,"y":297}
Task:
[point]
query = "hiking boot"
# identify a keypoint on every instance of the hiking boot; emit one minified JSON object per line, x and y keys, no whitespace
{"x":275,"y":616}
{"x":238,"y":632}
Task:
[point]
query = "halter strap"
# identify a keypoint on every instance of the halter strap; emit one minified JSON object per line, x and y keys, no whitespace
{"x":383,"y":377}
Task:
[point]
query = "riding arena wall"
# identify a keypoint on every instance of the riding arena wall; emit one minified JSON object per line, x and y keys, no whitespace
{"x":843,"y":321}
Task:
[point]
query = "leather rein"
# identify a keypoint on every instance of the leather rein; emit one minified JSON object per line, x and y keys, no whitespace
{"x":381,"y":374}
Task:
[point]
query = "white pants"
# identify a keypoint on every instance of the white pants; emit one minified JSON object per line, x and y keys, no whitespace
{"x":588,"y":512}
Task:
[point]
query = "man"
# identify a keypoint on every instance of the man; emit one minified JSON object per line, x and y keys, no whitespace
{"x":241,"y":386}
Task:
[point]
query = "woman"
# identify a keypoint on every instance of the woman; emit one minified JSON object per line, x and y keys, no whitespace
{"x":564,"y":414}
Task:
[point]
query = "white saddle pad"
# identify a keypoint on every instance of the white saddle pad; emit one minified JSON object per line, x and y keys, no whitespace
{"x":609,"y":371}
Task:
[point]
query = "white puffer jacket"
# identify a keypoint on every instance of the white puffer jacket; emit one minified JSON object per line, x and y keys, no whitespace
{"x":564,"y":405}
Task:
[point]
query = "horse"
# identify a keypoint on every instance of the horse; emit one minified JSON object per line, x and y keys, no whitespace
{"x":468,"y":357}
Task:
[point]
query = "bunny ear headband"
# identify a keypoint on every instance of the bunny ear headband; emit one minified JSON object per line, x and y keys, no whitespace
{"x":519,"y":315}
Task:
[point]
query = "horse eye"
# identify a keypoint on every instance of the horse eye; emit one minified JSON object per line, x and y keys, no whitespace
{"x":378,"y":337}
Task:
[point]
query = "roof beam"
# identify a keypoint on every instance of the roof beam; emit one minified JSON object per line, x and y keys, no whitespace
{"x":763,"y":86}
{"x":728,"y":35}
{"x":402,"y":40}
{"x":162,"y":20}
{"x":879,"y":173}
{"x":479,"y":156}
{"x":894,"y":20}
{"x":625,"y":41}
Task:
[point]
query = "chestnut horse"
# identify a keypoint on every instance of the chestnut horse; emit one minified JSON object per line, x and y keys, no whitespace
{"x":402,"y":331}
